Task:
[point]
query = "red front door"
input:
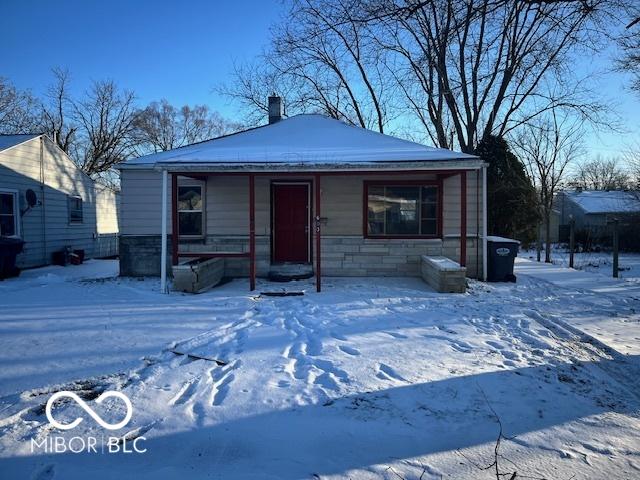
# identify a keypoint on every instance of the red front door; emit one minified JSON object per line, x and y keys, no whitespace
{"x":290,"y":223}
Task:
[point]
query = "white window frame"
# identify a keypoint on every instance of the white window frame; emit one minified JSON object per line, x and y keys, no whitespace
{"x":16,"y":211}
{"x":69,"y":221}
{"x":203,"y":192}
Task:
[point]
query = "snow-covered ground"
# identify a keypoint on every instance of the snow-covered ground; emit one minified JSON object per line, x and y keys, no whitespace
{"x":595,"y":262}
{"x":372,"y":378}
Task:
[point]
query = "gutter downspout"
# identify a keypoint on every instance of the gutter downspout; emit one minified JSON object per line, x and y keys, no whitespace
{"x":484,"y":223}
{"x":43,"y":215}
{"x":163,"y":253}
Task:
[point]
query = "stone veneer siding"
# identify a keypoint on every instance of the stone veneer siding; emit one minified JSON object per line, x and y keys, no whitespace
{"x":140,"y":255}
{"x":358,"y":256}
{"x":341,"y":255}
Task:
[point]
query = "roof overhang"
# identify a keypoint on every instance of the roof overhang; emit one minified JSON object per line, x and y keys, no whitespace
{"x":202,"y":167}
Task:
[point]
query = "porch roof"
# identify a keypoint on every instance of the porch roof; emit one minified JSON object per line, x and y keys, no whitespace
{"x":304,"y":142}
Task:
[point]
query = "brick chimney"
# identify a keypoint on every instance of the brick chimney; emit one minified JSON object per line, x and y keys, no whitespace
{"x":275,"y":108}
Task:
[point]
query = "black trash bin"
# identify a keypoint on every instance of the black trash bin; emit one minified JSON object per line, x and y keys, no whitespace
{"x":501,"y":255}
{"x":9,"y":250}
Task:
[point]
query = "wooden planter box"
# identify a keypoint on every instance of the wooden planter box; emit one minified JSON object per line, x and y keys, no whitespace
{"x":443,"y":274}
{"x":198,"y":275}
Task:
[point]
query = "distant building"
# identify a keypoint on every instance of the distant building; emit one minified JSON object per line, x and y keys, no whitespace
{"x":592,"y":210}
{"x":70,"y":210}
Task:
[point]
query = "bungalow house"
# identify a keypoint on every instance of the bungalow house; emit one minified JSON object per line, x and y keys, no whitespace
{"x":48,"y":202}
{"x":307,"y":190}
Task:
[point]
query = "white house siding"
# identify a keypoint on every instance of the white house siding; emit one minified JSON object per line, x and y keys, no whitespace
{"x":345,"y":251}
{"x":107,"y":214}
{"x":38,"y":164}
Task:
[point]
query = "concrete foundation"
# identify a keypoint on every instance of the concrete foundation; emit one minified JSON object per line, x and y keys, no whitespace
{"x":342,"y":256}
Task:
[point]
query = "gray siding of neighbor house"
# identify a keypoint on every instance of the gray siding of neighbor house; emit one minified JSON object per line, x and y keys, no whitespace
{"x":344,"y":249}
{"x":39,"y":165}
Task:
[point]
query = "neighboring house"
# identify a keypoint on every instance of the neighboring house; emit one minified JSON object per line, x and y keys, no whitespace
{"x":593,"y":210}
{"x":307,"y":190}
{"x":71,"y":210}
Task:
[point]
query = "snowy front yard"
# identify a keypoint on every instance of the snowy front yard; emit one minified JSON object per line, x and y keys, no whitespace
{"x":372,"y":378}
{"x":595,"y":262}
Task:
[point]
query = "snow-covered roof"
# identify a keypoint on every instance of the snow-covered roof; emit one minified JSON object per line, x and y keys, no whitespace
{"x":603,"y":201}
{"x":302,"y":140}
{"x":8,"y":141}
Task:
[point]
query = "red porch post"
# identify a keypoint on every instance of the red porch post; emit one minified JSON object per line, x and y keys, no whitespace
{"x":252,"y":233}
{"x":174,"y":219}
{"x":463,"y":218}
{"x":317,"y":228}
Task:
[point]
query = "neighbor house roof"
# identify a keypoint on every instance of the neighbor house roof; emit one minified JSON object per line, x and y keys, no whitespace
{"x":603,"y":201}
{"x":8,"y":141}
{"x":301,"y":140}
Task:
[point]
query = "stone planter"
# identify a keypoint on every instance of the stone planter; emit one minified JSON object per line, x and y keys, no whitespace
{"x":443,"y":274}
{"x":198,"y":275}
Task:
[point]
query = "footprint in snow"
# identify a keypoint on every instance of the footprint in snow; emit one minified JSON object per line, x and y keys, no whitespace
{"x":338,"y":336}
{"x":349,"y":351}
{"x":396,"y":335}
{"x":385,"y":372}
{"x":185,"y":393}
{"x":462,"y":347}
{"x":222,"y":378}
{"x":139,"y":431}
{"x":495,"y":345}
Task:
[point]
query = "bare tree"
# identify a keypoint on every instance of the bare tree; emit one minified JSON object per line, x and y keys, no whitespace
{"x":628,"y":60}
{"x":632,"y":159}
{"x":460,"y":70}
{"x":601,"y":174}
{"x":473,"y":68}
{"x":105,"y":124}
{"x":57,"y":114}
{"x":547,"y":146}
{"x":322,"y":59}
{"x":161,"y":126}
{"x":17,"y":110}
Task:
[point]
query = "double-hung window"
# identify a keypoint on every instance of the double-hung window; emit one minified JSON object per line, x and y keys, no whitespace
{"x":9,"y":214}
{"x":191,"y":210}
{"x":402,"y":210}
{"x":74,"y":205}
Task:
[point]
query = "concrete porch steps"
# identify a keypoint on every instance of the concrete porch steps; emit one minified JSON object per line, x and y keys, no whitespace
{"x":288,"y":272}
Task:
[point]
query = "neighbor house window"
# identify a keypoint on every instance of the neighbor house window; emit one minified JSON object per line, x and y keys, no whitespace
{"x":75,"y":209}
{"x":402,"y":210}
{"x":9,"y":226}
{"x":190,"y":210}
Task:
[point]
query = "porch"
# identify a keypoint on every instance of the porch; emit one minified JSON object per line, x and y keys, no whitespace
{"x":332,"y":221}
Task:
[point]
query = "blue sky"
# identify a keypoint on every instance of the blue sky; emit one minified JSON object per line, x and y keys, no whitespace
{"x":160,"y":49}
{"x":179,"y":50}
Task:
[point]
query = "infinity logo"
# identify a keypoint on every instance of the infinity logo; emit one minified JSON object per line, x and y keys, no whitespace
{"x":89,"y":410}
